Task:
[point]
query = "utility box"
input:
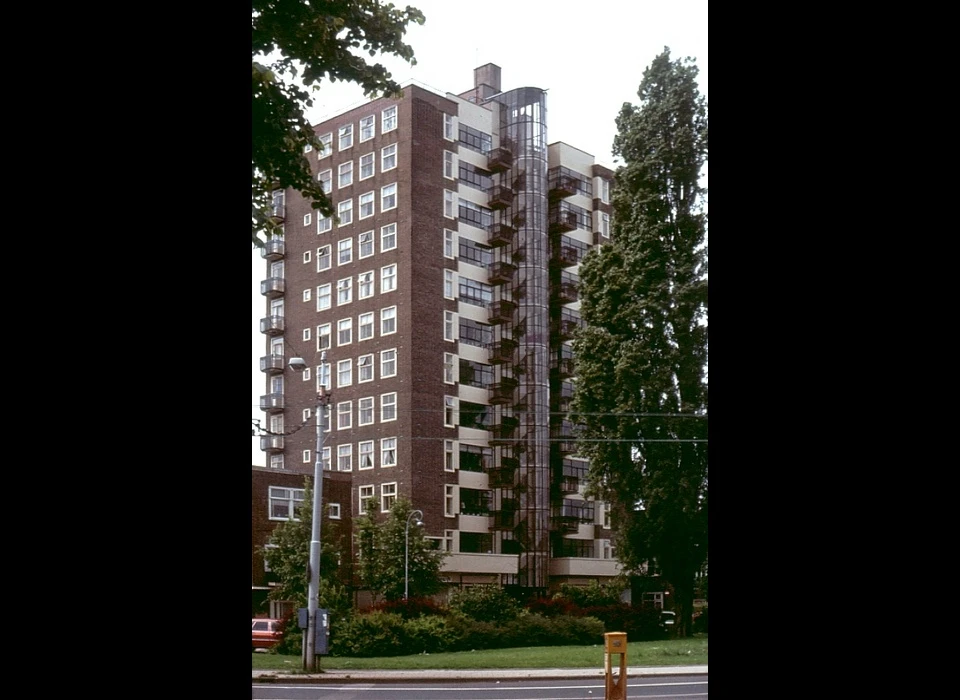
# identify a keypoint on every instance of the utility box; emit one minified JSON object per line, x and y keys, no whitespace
{"x":616,"y":681}
{"x":322,"y":639}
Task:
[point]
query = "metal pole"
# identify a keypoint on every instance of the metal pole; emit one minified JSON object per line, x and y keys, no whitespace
{"x":406,"y":551}
{"x":313,"y":595}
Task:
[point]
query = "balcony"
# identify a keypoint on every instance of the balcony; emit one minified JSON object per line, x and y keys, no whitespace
{"x":272,"y":325}
{"x":566,"y":293}
{"x":563,"y":186}
{"x":501,"y":234}
{"x":502,"y":351}
{"x":562,"y":368}
{"x":564,"y":328}
{"x":562,"y":220}
{"x":273,"y":249}
{"x":273,"y":287}
{"x":502,"y":392}
{"x":503,"y":520}
{"x":271,"y":364}
{"x":271,"y":443}
{"x":501,"y":272}
{"x":502,"y":432}
{"x":271,"y":403}
{"x":568,"y":256}
{"x":564,"y":523}
{"x":500,"y":197}
{"x":502,"y":311}
{"x":502,"y":477}
{"x":499,"y":160}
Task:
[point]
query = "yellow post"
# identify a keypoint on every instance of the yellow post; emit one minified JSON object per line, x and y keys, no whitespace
{"x":615,"y":643}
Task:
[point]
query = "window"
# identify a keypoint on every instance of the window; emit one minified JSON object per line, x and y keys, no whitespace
{"x":306,"y":297}
{"x":474,"y":139}
{"x":306,"y":378}
{"x":449,"y":500}
{"x":388,"y":363}
{"x":475,"y":253}
{"x":471,"y":176}
{"x":475,"y":333}
{"x":345,"y":174}
{"x":474,"y":292}
{"x":306,"y":256}
{"x":307,"y":219}
{"x":449,"y":127}
{"x":365,"y":455}
{"x":306,"y":413}
{"x":344,"y":251}
{"x":367,"y":126}
{"x":366,"y":244}
{"x":278,"y":201}
{"x":475,"y":459}
{"x":450,"y":326}
{"x":365,"y":326}
{"x":605,"y":191}
{"x":388,"y":452}
{"x":323,"y":258}
{"x":388,"y":237}
{"x":366,"y":204}
{"x":476,"y":374}
{"x":323,"y":337}
{"x":388,"y":407}
{"x":327,"y":142}
{"x":450,"y":411}
{"x":326,"y":459}
{"x":344,"y":331}
{"x":306,"y":456}
{"x":388,"y":120}
{"x":604,"y":224}
{"x":450,"y":165}
{"x":345,"y":137}
{"x":276,"y":461}
{"x":388,"y":320}
{"x":345,"y":457}
{"x":284,"y":502}
{"x":323,"y":297}
{"x":324,"y":223}
{"x":325,"y":177}
{"x":344,"y":291}
{"x":449,"y":284}
{"x":450,"y":204}
{"x":474,"y":214}
{"x":366,"y":165}
{"x":365,"y":368}
{"x":388,"y":496}
{"x":306,"y":334}
{"x":449,"y":368}
{"x":333,"y":511}
{"x":388,"y":278}
{"x":345,"y":212}
{"x":388,"y":157}
{"x":449,"y":243}
{"x":365,"y":414}
{"x":344,"y":373}
{"x":323,"y":380}
{"x":366,"y":493}
{"x":450,"y":455}
{"x":344,"y":415}
{"x":388,"y":197}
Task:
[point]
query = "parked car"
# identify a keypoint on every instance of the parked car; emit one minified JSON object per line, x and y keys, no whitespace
{"x":267,"y":632}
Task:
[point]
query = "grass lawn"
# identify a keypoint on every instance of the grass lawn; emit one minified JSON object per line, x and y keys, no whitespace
{"x":667,"y":652}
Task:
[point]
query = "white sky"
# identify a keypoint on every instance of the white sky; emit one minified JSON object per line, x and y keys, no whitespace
{"x":589,"y":56}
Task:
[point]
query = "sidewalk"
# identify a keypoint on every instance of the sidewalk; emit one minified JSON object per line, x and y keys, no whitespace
{"x":445,"y":675}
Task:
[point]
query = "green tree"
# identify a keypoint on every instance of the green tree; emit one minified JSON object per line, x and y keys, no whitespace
{"x":641,"y":394}
{"x":382,"y":544}
{"x":288,"y":556}
{"x":296,"y":43}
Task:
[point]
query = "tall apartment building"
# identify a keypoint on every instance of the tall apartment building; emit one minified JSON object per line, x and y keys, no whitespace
{"x":445,"y":296}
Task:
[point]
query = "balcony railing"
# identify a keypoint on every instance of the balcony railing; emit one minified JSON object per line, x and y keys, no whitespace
{"x":500,"y":234}
{"x":501,"y":272}
{"x":273,"y":249}
{"x":502,"y":311}
{"x":500,"y":197}
{"x":273,"y":287}
{"x":499,"y":159}
{"x":566,"y":292}
{"x":271,"y":364}
{"x":272,"y":325}
{"x":502,"y":351}
{"x":271,"y":402}
{"x":271,"y":443}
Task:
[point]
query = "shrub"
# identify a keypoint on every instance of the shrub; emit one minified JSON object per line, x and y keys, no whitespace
{"x":700,"y":622}
{"x":373,"y":633}
{"x":427,"y":634}
{"x":552,"y":607}
{"x":411,"y":608}
{"x":292,"y":640}
{"x":488,"y":603}
{"x":592,"y":595}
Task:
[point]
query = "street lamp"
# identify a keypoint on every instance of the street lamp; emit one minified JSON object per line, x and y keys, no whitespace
{"x":313,"y":595}
{"x":418,"y":514}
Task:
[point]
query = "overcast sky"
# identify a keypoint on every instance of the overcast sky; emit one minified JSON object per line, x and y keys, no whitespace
{"x":588,"y":56}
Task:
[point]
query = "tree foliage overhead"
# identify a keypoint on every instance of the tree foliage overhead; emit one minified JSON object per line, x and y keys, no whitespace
{"x":297,"y":43}
{"x":641,"y":358}
{"x":382,"y":557}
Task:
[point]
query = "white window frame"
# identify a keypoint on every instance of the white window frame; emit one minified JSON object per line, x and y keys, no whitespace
{"x":323,"y":332}
{"x":368,"y":128}
{"x":323,"y":380}
{"x":388,"y":237}
{"x":345,"y":212}
{"x":388,"y":157}
{"x":345,"y":137}
{"x":365,"y":493}
{"x":388,"y":496}
{"x":388,"y":197}
{"x":365,"y":326}
{"x":388,"y":445}
{"x":388,"y":119}
{"x":345,"y":174}
{"x":327,"y":142}
{"x":369,"y":206}
{"x":325,"y":178}
{"x":388,"y":278}
{"x":306,"y":334}
{"x":324,"y":293}
{"x":307,"y":294}
{"x":449,"y":284}
{"x":324,"y":257}
{"x":364,"y":366}
{"x":325,"y":459}
{"x":344,"y":330}
{"x":345,"y":457}
{"x":450,"y":204}
{"x":451,"y":455}
{"x":365,"y":449}
{"x":450,"y":130}
{"x":450,"y":326}
{"x":333,"y":511}
{"x":450,"y":244}
{"x":368,"y":161}
{"x":388,"y":357}
{"x":306,"y":456}
{"x":324,"y":224}
{"x":306,"y":378}
{"x":388,"y":314}
{"x":450,"y":165}
{"x":344,"y":251}
{"x":366,"y":242}
{"x":388,"y":404}
{"x":288,"y":497}
{"x":365,"y":284}
{"x":345,"y":291}
{"x":450,"y":500}
{"x":344,"y":416}
{"x":307,"y":218}
{"x":306,"y":256}
{"x":366,"y":412}
{"x":451,"y":367}
{"x":345,"y":372}
{"x":451,"y":407}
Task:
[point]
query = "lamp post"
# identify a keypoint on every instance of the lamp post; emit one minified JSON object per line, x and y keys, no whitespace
{"x":313,"y":594}
{"x":418,"y":514}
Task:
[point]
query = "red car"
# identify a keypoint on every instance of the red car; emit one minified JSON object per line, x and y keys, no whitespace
{"x":267,"y":632}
